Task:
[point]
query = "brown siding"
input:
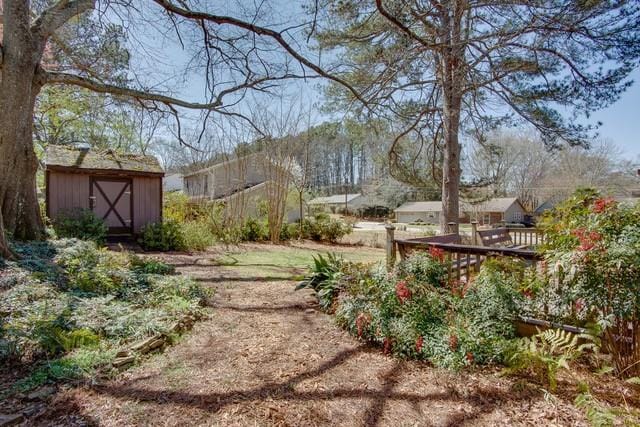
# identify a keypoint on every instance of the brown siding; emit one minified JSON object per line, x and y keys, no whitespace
{"x":147,"y":201}
{"x":67,"y":191}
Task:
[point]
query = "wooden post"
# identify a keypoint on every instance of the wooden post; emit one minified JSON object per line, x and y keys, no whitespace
{"x":452,"y":228}
{"x":391,"y":246}
{"x":474,"y":233}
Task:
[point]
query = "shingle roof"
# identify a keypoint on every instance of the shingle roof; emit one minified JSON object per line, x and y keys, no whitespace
{"x":498,"y":204}
{"x":335,"y":199}
{"x":420,"y":207}
{"x":72,"y":157}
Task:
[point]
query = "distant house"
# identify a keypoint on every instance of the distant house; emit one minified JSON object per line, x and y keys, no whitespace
{"x":496,"y":210}
{"x":241,"y":183}
{"x":125,"y":190}
{"x":544,"y":207}
{"x":427,"y":212}
{"x":225,"y":178}
{"x":172,"y":182}
{"x":338,"y":202}
{"x":489,"y":212}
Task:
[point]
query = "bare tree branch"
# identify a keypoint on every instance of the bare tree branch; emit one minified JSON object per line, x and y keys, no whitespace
{"x":259,"y":30}
{"x":58,"y":15}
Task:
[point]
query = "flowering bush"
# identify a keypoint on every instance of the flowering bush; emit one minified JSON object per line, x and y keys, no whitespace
{"x":593,"y":254}
{"x":411,"y":312}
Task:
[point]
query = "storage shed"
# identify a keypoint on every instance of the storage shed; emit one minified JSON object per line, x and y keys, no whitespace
{"x":125,"y":190}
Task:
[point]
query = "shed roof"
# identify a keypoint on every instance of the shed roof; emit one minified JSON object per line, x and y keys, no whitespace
{"x":67,"y":157}
{"x":335,"y":199}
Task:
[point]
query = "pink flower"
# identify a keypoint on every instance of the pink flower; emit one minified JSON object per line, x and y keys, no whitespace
{"x":579,"y":304}
{"x":402,"y":291}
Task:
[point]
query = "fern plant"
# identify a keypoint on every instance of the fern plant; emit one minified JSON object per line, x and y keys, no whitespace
{"x":324,"y":279}
{"x":547,"y":353}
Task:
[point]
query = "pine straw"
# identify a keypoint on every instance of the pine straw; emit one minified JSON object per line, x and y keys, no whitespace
{"x":267,"y":356}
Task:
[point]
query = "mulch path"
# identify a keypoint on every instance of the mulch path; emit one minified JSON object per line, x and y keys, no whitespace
{"x":267,"y":355}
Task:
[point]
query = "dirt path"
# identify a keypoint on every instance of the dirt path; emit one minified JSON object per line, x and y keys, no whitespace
{"x":268,"y":356}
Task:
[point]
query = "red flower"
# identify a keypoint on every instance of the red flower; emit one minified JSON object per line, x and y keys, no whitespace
{"x":458,"y":288}
{"x":470,"y":357}
{"x":362,"y":321}
{"x":453,"y":342}
{"x":602,"y":204}
{"x":387,"y":345}
{"x":402,"y":291}
{"x":419,"y":344}
{"x":579,"y":304}
{"x":528,"y":293}
{"x":588,"y":239}
{"x":436,"y":253}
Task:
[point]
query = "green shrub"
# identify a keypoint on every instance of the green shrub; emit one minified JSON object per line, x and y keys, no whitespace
{"x":162,"y":236}
{"x":103,"y":300}
{"x":197,"y":236}
{"x":593,"y":249}
{"x":321,"y":227}
{"x":423,"y":268}
{"x":95,"y":270}
{"x":82,"y":224}
{"x":254,"y":230}
{"x":411,"y":312}
{"x":324,"y":279}
{"x":150,"y":266}
{"x":289,"y":232}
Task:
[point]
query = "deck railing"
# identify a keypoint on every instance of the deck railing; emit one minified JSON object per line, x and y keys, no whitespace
{"x":526,"y":236}
{"x":464,"y":260}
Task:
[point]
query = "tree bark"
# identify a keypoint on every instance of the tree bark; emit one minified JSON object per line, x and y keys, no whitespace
{"x":451,"y":78}
{"x":21,"y":56}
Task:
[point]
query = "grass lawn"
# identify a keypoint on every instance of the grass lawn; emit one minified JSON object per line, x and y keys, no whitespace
{"x":286,"y":262}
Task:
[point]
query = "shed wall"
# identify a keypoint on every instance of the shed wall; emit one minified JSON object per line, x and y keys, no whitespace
{"x":66,"y":192}
{"x":69,"y":191}
{"x":147,"y":201}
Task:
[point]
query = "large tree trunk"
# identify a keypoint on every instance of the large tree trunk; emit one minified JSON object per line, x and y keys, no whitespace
{"x":21,"y":56}
{"x":451,"y":171}
{"x":451,"y":78}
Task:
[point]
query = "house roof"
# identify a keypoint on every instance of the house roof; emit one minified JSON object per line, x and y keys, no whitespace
{"x":335,"y":199}
{"x":68,"y":157}
{"x":498,"y":204}
{"x":226,"y":163}
{"x":547,"y":205}
{"x":434,"y":206}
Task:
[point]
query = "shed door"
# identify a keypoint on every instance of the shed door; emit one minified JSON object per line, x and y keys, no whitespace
{"x":111,"y":201}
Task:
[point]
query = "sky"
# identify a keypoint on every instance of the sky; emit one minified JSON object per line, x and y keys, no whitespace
{"x":620,"y":121}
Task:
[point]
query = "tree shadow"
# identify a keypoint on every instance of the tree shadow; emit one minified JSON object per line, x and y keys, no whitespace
{"x":222,"y":279}
{"x":379,"y":399}
{"x":262,"y":309}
